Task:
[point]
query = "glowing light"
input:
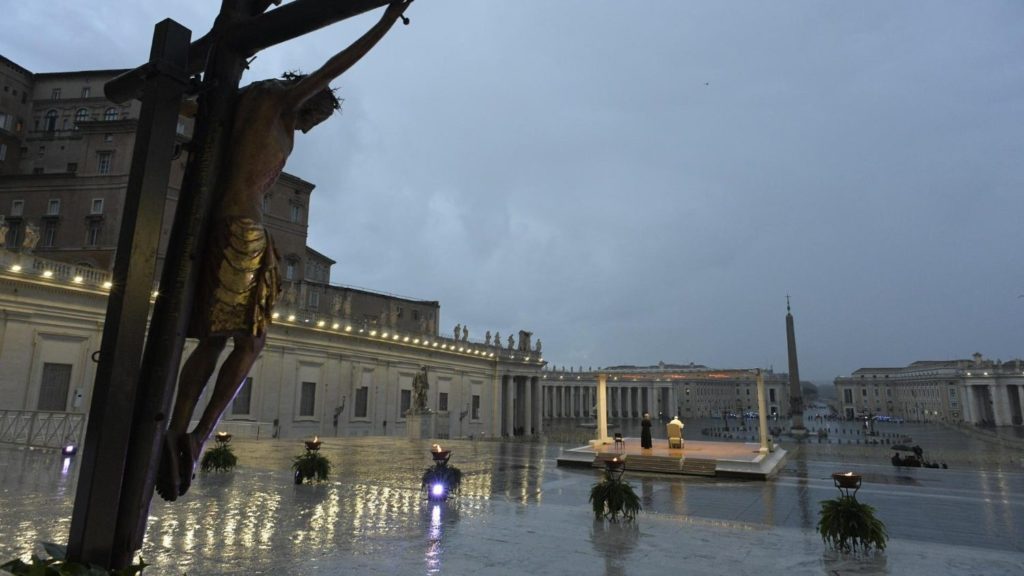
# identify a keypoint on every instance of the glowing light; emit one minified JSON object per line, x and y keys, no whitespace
{"x":320,"y":324}
{"x":77,"y":279}
{"x":395,"y":337}
{"x":348,"y":328}
{"x":416,"y":341}
{"x":406,"y":339}
{"x":69,"y":450}
{"x":291,"y":317}
{"x":384,"y":335}
{"x":47,"y":273}
{"x":275,"y":315}
{"x":373,"y":332}
{"x":16,"y":268}
{"x":108,"y":284}
{"x":155,"y":293}
{"x":437,"y":490}
{"x":335,"y":326}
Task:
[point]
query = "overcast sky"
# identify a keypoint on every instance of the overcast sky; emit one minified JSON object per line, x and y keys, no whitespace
{"x":638,"y":182}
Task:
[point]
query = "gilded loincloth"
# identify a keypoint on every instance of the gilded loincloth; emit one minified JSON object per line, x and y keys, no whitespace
{"x":239,"y":282}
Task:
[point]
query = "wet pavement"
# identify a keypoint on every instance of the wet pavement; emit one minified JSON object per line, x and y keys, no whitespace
{"x":520,"y":513}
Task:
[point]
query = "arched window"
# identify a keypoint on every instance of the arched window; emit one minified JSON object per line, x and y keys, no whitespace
{"x":51,"y":121}
{"x":81,"y":115}
{"x":110,"y":114}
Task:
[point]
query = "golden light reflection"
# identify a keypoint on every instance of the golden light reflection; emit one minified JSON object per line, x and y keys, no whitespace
{"x":433,"y":556}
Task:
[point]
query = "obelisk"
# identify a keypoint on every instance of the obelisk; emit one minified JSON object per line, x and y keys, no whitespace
{"x":796,"y":399}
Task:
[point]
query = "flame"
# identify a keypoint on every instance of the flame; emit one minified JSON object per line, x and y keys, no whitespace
{"x":436,"y":448}
{"x":316,"y":438}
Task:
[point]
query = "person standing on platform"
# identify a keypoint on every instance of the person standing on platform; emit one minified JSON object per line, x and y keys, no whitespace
{"x":645,"y":432}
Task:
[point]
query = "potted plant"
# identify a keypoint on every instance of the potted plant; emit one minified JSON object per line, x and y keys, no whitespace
{"x":611,"y":496}
{"x":441,"y":480}
{"x":311,"y":465}
{"x":221,"y":457}
{"x":847,"y":525}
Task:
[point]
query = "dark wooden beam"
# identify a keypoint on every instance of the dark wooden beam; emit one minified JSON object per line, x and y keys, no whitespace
{"x":295,"y":19}
{"x":98,"y":500}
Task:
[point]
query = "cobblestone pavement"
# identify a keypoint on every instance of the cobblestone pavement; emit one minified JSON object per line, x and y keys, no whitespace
{"x":519,"y":513}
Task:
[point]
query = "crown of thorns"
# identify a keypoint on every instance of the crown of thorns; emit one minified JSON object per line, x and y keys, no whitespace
{"x":294,"y":76}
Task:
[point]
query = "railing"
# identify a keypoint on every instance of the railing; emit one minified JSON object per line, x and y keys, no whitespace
{"x":41,"y":429}
{"x":35,"y":267}
{"x":246,"y":429}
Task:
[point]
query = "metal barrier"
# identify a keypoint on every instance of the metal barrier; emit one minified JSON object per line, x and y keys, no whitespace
{"x":41,"y":429}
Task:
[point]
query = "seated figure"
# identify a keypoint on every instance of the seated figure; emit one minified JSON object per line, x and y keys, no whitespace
{"x":674,"y":432}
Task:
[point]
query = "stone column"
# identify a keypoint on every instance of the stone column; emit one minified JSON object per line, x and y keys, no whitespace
{"x":539,"y":408}
{"x":602,"y":407}
{"x":998,"y":405}
{"x":762,"y":414}
{"x":528,"y":406}
{"x":510,"y":385}
{"x":967,"y":405}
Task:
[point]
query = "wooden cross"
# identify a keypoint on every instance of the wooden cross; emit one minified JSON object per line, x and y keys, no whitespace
{"x":135,"y":385}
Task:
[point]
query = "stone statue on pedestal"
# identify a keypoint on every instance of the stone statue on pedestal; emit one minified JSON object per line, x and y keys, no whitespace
{"x":420,"y":385}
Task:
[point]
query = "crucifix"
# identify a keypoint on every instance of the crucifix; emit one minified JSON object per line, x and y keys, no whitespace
{"x":219,"y":281}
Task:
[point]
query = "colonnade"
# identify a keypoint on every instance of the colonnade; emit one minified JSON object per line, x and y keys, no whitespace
{"x":520,"y":404}
{"x":579,"y":400}
{"x":999,"y":405}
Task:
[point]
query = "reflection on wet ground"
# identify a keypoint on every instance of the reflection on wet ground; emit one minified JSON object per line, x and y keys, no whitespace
{"x":372,"y":518}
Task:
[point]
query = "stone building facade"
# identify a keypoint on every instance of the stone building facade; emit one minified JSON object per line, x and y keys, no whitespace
{"x":665,"y":390}
{"x":976,"y":391}
{"x":312,"y":378}
{"x":64,"y":177}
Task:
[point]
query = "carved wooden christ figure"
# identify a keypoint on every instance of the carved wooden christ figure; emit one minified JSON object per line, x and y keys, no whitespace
{"x":239,"y":281}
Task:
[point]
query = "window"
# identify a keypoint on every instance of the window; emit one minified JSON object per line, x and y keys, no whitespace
{"x":289,"y":270}
{"x":108,"y":137}
{"x":110,"y":114}
{"x":103,"y":162}
{"x":81,"y":115}
{"x":241,"y":405}
{"x":51,"y":121}
{"x":314,"y":299}
{"x":86,"y":91}
{"x":307,"y":402}
{"x":771,"y":394}
{"x":53,"y":207}
{"x":179,"y":129}
{"x":55,"y":94}
{"x":362,"y":393}
{"x":265,"y":206}
{"x":53,"y":390}
{"x":476,"y":407}
{"x":49,"y":233}
{"x":442,"y":401}
{"x":400,"y":311}
{"x":405,"y":403}
{"x":92,"y":236}
{"x":3,"y":152}
{"x":5,"y":121}
{"x":415,"y":314}
{"x":296,"y":213}
{"x":864,"y":392}
{"x":17,"y":207}
{"x":97,"y":206}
